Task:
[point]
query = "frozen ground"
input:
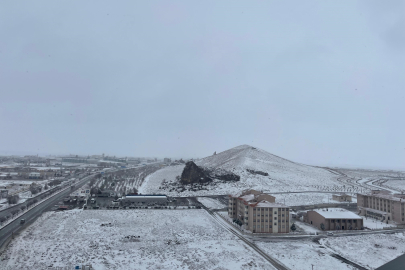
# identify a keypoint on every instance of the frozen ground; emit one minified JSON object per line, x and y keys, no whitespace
{"x":301,"y":255}
{"x":152,"y":182}
{"x":283,"y":175}
{"x":169,"y":239}
{"x":211,"y":203}
{"x":375,"y":224}
{"x":395,"y":184}
{"x":371,"y":251}
{"x":304,"y":227}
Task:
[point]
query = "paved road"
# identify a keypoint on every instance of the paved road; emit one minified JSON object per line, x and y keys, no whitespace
{"x":36,"y":211}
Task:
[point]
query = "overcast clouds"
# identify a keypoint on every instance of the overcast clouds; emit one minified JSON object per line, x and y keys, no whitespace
{"x":318,"y":82}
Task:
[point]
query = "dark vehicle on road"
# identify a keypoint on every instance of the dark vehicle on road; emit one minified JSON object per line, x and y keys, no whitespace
{"x":22,"y":221}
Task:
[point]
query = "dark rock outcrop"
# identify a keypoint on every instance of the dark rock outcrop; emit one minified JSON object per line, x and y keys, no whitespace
{"x":193,"y":174}
{"x":257,"y":172}
{"x":228,"y":177}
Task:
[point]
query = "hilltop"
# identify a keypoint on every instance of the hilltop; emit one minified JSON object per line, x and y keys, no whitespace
{"x":257,"y":169}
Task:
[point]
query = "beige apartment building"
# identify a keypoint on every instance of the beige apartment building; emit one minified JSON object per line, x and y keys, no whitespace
{"x":382,"y":205}
{"x":334,"y":219}
{"x":259,"y":213}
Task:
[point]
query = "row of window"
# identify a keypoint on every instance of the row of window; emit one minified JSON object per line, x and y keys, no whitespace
{"x":268,"y":215}
{"x":349,"y":220}
{"x":267,"y":226}
{"x":258,"y":220}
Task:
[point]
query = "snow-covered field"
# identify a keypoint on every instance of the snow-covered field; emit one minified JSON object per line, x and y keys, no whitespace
{"x":301,"y":255}
{"x":294,"y":199}
{"x":211,"y":203}
{"x":152,"y":182}
{"x":128,"y":181}
{"x":371,"y":251}
{"x":395,"y":184}
{"x":169,"y":239}
{"x":375,"y":224}
{"x":305,"y":227}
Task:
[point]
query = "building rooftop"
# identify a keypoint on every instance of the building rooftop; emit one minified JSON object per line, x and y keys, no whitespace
{"x":270,"y":204}
{"x":248,"y":197}
{"x":384,"y":196}
{"x":338,"y":213}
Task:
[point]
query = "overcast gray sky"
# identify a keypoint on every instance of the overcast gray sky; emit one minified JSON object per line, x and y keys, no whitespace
{"x":317,"y":82}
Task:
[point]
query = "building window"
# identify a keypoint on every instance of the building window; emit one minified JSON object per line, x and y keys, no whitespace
{"x":267,"y":226}
{"x":271,"y":226}
{"x":275,"y":213}
{"x":262,"y":226}
{"x":275,"y":218}
{"x":267,"y":220}
{"x":254,"y":220}
{"x":275,"y":223}
{"x":282,"y":215}
{"x":283,"y":226}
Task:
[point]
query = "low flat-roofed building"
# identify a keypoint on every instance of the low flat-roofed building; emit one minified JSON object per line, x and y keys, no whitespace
{"x":334,"y":219}
{"x":259,"y":213}
{"x":134,"y":198}
{"x":342,"y":197}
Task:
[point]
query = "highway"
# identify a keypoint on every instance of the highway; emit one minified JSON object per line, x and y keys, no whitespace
{"x":35,"y":212}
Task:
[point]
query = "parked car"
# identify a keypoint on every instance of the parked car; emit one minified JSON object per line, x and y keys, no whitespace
{"x":329,"y":233}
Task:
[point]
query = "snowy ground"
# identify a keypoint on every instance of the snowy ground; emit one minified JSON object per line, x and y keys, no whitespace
{"x":152,"y":182}
{"x":375,"y":224}
{"x":305,"y":227}
{"x":211,"y":203}
{"x":169,"y":239}
{"x":395,"y":184}
{"x":301,"y":255}
{"x":294,"y":199}
{"x":371,"y":251}
{"x":283,"y":175}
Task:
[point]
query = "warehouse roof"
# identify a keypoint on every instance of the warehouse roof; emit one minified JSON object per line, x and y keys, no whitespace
{"x":338,"y":213}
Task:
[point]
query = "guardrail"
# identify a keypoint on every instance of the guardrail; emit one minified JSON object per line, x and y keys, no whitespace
{"x":4,"y":224}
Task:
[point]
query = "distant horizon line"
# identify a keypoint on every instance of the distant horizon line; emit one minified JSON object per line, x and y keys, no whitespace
{"x":341,"y":166}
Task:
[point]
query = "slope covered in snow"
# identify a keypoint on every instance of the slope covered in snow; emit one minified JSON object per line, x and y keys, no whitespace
{"x":257,"y":168}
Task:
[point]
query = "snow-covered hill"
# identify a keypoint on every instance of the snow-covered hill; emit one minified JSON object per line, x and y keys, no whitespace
{"x":283,"y":175}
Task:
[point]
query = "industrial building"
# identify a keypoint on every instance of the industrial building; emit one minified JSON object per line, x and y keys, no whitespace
{"x":259,"y":213}
{"x":334,"y":219}
{"x":382,"y":205}
{"x":144,"y":199}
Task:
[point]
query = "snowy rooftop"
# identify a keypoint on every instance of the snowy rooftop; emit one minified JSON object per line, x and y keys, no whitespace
{"x":270,"y":204}
{"x":248,"y":197}
{"x":337,"y":213}
{"x":384,"y":196}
